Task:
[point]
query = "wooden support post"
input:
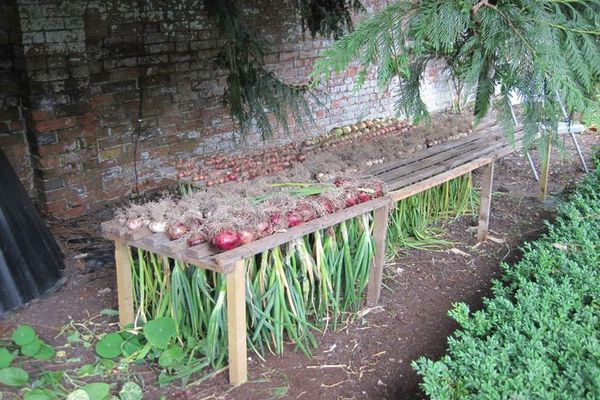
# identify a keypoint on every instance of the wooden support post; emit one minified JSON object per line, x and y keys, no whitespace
{"x":124,"y":283}
{"x":485,"y":202}
{"x":545,"y":170}
{"x":236,"y":324}
{"x":380,"y":223}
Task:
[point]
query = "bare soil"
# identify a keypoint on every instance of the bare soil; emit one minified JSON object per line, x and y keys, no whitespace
{"x":369,"y":358}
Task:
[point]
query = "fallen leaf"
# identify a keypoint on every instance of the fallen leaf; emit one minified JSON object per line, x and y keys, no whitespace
{"x":454,"y":250}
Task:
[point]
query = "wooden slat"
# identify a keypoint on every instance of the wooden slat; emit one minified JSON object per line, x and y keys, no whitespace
{"x":442,"y":177}
{"x":428,"y":152}
{"x":445,"y":166}
{"x":201,"y":251}
{"x":124,"y":283}
{"x":138,"y":234}
{"x":425,"y":163}
{"x":485,"y":202}
{"x":236,"y":324}
{"x":230,"y":257}
{"x":380,"y":223}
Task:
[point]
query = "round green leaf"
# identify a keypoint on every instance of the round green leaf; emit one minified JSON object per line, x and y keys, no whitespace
{"x":170,"y":356}
{"x":45,"y":353}
{"x":97,"y":390}
{"x":131,"y":391}
{"x":31,"y":348}
{"x":130,"y":347}
{"x":109,"y":346}
{"x":13,"y":376}
{"x":39,"y":394}
{"x":78,"y":394}
{"x":160,"y":331}
{"x":6,"y":357}
{"x":22,"y":335}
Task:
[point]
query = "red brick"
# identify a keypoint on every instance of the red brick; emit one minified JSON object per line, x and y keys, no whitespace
{"x":102,"y":100}
{"x":40,"y":115}
{"x":53,"y":124}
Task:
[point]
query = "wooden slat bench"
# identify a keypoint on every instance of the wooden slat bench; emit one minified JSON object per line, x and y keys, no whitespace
{"x":403,"y":178}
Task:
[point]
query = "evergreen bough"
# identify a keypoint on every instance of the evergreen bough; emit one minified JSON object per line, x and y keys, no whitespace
{"x":545,"y":50}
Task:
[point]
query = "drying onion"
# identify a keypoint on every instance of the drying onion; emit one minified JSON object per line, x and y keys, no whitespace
{"x":226,"y":240}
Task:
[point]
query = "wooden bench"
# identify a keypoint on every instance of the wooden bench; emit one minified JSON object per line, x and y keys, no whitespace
{"x":403,"y":178}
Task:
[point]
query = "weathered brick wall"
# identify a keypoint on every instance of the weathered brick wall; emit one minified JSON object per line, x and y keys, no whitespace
{"x":87,"y":65}
{"x":13,"y":133}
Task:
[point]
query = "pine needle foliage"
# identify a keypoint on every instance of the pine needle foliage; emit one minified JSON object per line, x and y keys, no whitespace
{"x":329,"y":18}
{"x":254,"y":95}
{"x":545,"y":51}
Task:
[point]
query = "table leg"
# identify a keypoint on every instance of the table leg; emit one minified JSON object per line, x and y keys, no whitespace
{"x":124,"y":283}
{"x":545,"y":170}
{"x":236,"y":324}
{"x":380,"y":223}
{"x":485,"y":202}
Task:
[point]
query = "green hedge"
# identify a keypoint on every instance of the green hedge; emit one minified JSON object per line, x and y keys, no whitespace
{"x":538,"y":337}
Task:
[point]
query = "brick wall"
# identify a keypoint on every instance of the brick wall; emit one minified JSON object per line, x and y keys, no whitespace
{"x":83,"y":65}
{"x":13,"y":133}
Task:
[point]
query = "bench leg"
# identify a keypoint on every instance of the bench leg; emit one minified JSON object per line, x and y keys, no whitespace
{"x":236,"y":324}
{"x":485,"y":202}
{"x":380,"y":223}
{"x":545,"y":170}
{"x":124,"y":283}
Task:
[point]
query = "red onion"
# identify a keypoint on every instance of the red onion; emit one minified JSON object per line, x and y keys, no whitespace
{"x":293,"y":219}
{"x":135,"y":223}
{"x":196,"y":239}
{"x":363,"y":196}
{"x":226,"y":240}
{"x":177,"y":230}
{"x":306,"y":212}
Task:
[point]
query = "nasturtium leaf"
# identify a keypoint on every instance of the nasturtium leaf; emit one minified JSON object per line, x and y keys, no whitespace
{"x":13,"y":376}
{"x":170,"y":356}
{"x":45,"y":353}
{"x":32,"y":347}
{"x":97,"y":390}
{"x":160,"y":331}
{"x":107,"y":363}
{"x":109,"y":346}
{"x":78,"y":394}
{"x":130,"y":347}
{"x":6,"y":357}
{"x":23,"y":335}
{"x":130,"y":391}
{"x":39,"y":394}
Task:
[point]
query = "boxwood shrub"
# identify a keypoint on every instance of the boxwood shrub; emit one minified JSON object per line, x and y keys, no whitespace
{"x":538,"y":336}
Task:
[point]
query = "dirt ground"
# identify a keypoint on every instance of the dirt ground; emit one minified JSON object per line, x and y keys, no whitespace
{"x":370,"y":357}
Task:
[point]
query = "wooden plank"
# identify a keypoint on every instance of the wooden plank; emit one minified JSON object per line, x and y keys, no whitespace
{"x":137,"y":234}
{"x":445,"y":166}
{"x":230,"y":257}
{"x":428,"y":152}
{"x":124,"y":283}
{"x":459,"y":170}
{"x":380,"y":223}
{"x":201,"y":251}
{"x":485,"y":202}
{"x":545,"y":170}
{"x":423,"y":164}
{"x":236,"y":324}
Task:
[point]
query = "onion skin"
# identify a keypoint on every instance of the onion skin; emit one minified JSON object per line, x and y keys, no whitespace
{"x":135,"y":223}
{"x":195,"y":239}
{"x":157,"y":226}
{"x":246,"y":236}
{"x":177,"y":230}
{"x":226,"y":240}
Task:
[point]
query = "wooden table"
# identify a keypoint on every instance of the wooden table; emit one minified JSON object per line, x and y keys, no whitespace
{"x":403,"y":178}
